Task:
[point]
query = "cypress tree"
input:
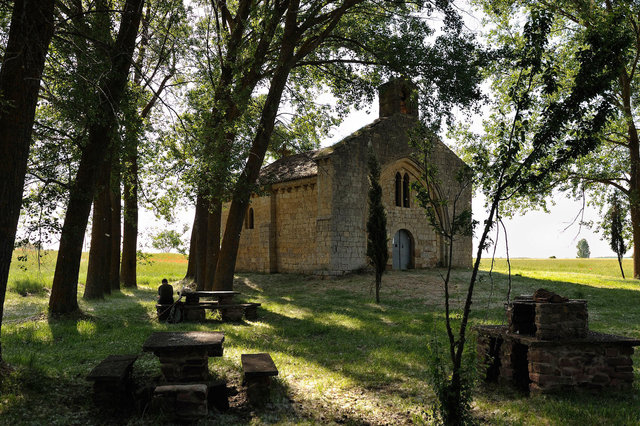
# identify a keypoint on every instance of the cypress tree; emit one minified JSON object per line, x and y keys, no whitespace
{"x":377,"y":251}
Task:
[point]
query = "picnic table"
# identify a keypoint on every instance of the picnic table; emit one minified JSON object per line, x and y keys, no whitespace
{"x":222,"y":297}
{"x":184,"y":356}
{"x":230,"y":310}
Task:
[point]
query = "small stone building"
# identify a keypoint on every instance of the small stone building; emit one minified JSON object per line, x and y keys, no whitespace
{"x":310,"y":215}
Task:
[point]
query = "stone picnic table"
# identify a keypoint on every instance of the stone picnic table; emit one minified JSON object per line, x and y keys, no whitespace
{"x":223,"y":297}
{"x":230,"y":310}
{"x":184,"y":356}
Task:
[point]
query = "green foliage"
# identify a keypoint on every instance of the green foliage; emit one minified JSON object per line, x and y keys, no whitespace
{"x":143,"y":258}
{"x":583,"y":249}
{"x":377,"y":240}
{"x":167,"y":240}
{"x":451,"y":407}
{"x":558,"y":91}
{"x":615,"y":217}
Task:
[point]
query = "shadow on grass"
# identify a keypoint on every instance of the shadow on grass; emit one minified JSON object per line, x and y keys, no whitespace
{"x":340,"y":333}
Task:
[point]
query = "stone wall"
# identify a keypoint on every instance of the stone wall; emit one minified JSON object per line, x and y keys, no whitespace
{"x":345,"y":170}
{"x":586,"y":366}
{"x":594,"y":363}
{"x":427,"y":250}
{"x":295,"y":218}
{"x":254,"y":249}
{"x":283,"y":237}
{"x":549,"y":321}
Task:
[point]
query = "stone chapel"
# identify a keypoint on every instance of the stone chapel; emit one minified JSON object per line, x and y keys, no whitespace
{"x":310,"y":216}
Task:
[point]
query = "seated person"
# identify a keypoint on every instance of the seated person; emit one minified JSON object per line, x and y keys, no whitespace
{"x":165,"y":293}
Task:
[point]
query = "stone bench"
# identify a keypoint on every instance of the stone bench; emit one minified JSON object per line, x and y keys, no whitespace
{"x":182,"y":402}
{"x":257,"y":370}
{"x":112,"y":380}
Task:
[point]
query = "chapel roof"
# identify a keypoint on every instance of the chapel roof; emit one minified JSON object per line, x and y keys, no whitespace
{"x":292,"y":167}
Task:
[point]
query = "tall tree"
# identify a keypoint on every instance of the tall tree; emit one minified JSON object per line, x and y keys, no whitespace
{"x":536,"y":129}
{"x":99,"y":266}
{"x":100,"y":132}
{"x":615,"y":164}
{"x":30,"y":32}
{"x":583,"y":249}
{"x":100,"y":248}
{"x":164,"y":39}
{"x":377,"y":239}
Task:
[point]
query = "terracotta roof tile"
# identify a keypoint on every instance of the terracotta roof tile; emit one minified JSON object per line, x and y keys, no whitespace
{"x":293,"y":167}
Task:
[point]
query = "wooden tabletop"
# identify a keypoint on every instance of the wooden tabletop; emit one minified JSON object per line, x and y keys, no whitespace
{"x":172,"y":340}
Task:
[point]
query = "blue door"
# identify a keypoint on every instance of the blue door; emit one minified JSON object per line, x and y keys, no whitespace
{"x":401,"y":253}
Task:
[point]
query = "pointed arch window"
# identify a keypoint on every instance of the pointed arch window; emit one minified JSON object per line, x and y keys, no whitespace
{"x":405,"y":191}
{"x":398,"y":190}
{"x":248,"y":221}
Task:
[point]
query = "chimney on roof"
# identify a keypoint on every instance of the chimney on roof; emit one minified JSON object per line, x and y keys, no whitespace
{"x":398,"y":96}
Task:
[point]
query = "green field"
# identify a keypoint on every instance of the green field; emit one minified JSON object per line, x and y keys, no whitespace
{"x":342,"y":358}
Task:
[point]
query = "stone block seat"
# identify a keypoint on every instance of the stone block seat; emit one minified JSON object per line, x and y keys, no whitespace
{"x":257,"y":370}
{"x":112,"y":379}
{"x":182,"y":402}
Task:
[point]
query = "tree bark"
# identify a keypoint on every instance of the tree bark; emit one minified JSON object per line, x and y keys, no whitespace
{"x":201,"y":241}
{"x":130,"y":227}
{"x":65,"y":282}
{"x":634,"y":172}
{"x":98,"y":283}
{"x":213,"y":242}
{"x":29,"y":36}
{"x":116,"y":230}
{"x":193,"y":248}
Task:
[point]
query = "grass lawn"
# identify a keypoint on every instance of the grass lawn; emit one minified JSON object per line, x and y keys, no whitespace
{"x":341,"y":357}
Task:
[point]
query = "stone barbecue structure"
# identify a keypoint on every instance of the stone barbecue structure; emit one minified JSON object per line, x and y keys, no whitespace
{"x":547,"y":347}
{"x":310,"y":216}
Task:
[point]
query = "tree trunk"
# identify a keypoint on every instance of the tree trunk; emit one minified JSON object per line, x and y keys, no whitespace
{"x":130,"y":228}
{"x":29,"y":36}
{"x":201,"y":241}
{"x":100,"y":251}
{"x":378,"y":285}
{"x":635,"y":224}
{"x":191,"y":265}
{"x":213,"y":242}
{"x":621,"y":270}
{"x":634,"y":172}
{"x":65,"y":282}
{"x":116,"y":223}
{"x":229,"y":250}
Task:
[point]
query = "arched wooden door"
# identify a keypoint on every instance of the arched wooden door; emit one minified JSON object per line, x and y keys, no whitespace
{"x":401,"y":253}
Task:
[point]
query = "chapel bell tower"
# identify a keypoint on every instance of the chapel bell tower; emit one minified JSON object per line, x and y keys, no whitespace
{"x":398,"y":96}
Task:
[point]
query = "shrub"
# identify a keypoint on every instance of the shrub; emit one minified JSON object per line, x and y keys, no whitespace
{"x":447,"y":409}
{"x":26,"y":286}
